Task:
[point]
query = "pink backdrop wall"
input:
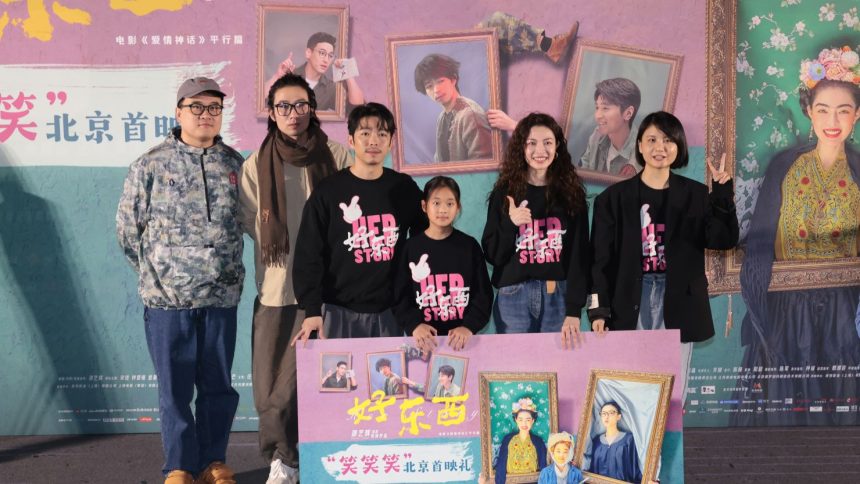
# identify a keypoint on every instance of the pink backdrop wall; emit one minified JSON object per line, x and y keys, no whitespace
{"x":530,"y":84}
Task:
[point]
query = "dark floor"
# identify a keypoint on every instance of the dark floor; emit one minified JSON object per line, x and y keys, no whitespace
{"x":773,"y":455}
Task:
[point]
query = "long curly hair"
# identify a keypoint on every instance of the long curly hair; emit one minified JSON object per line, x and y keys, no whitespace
{"x":565,"y":190}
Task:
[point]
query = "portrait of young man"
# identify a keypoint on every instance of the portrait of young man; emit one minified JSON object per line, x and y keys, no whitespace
{"x":611,"y":145}
{"x":462,"y":129}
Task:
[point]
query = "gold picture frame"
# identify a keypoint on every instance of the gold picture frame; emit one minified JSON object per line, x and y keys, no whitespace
{"x":490,"y":385}
{"x":326,"y":361}
{"x":656,"y":74}
{"x":627,"y":388}
{"x":416,"y":113}
{"x":295,"y":24}
{"x":397,"y":358}
{"x":437,"y":361}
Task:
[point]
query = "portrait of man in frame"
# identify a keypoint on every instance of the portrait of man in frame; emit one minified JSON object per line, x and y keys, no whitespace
{"x":446,"y":376}
{"x":441,"y":85}
{"x":386,"y":371}
{"x":306,"y":41}
{"x":610,"y":88}
{"x":336,"y":372}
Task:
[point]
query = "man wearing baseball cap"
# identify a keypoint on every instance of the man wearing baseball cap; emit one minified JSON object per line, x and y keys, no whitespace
{"x":177,"y":226}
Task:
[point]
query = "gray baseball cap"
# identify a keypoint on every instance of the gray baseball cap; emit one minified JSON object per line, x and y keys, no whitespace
{"x":195,"y":86}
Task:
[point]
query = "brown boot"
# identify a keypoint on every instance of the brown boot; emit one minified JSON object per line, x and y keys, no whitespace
{"x":216,"y":473}
{"x":561,"y":42}
{"x":179,"y":477}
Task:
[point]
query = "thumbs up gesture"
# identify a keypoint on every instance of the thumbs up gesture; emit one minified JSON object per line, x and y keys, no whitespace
{"x":519,"y":214}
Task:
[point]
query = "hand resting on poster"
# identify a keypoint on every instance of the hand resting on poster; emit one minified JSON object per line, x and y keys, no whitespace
{"x":425,"y":338}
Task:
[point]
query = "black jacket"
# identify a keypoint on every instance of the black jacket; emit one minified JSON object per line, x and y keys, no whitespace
{"x":695,"y":221}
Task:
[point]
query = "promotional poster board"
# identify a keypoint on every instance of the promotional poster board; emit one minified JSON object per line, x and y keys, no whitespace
{"x":378,"y":433}
{"x":86,"y":87}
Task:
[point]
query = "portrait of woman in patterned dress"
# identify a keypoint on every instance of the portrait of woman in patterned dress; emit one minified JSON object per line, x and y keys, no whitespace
{"x":808,"y":209}
{"x":521,"y":452}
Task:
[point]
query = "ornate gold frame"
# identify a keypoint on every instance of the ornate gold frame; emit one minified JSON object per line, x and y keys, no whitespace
{"x":655,"y":442}
{"x":723,"y":267}
{"x":392,"y":42}
{"x":572,"y":86}
{"x":428,"y":391}
{"x":342,"y":12}
{"x":402,"y":356}
{"x":346,"y":356}
{"x":485,"y":377}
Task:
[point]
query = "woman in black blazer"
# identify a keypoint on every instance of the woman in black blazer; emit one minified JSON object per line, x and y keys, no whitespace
{"x":649,"y":236}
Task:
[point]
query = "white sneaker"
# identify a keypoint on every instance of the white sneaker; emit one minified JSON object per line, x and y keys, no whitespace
{"x":280,"y":473}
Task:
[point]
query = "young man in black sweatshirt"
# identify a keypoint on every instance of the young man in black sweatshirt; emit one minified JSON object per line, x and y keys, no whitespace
{"x":353,"y":226}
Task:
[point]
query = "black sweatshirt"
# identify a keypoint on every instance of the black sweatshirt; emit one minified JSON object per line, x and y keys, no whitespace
{"x":351,"y":231}
{"x":453,"y":287}
{"x":552,"y":248}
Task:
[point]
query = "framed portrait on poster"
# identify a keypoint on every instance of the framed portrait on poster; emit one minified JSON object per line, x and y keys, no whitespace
{"x":622,"y":425}
{"x":441,"y":85}
{"x":336,"y":372}
{"x":284,"y":35}
{"x":385,"y":372}
{"x":610,"y":88}
{"x":516,"y":407}
{"x":446,"y":376}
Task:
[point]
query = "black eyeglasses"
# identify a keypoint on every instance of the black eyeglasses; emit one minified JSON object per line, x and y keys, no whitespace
{"x":197,"y":109}
{"x":284,"y":108}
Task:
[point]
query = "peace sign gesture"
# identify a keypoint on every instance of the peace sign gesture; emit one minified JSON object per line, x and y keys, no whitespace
{"x":719,"y":175}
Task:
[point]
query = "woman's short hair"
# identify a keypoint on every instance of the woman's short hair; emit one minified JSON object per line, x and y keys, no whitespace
{"x":672,"y":128}
{"x":612,"y":403}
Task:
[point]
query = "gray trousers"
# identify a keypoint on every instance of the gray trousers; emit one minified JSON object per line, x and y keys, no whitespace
{"x":273,"y":376}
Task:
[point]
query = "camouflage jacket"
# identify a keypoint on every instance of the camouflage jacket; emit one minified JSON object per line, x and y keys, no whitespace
{"x":178,"y":227}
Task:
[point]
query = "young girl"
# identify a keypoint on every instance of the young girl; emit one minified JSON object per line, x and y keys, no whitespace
{"x":441,"y":285}
{"x":649,"y":237}
{"x":536,"y":236}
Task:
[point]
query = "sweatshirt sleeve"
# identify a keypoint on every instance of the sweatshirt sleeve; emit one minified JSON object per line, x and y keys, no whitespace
{"x":477,"y":313}
{"x":248,"y":203}
{"x":133,"y":212}
{"x":500,"y":233}
{"x":579,"y":266}
{"x":309,"y":260}
{"x":603,"y":246}
{"x":406,"y":311}
{"x":721,"y":224}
